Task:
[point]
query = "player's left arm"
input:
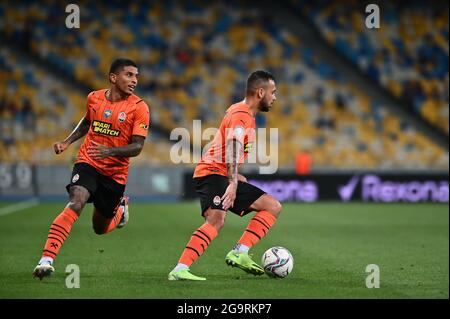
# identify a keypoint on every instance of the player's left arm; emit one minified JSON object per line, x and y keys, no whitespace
{"x":98,"y":151}
{"x":232,"y":155}
{"x":140,"y":131}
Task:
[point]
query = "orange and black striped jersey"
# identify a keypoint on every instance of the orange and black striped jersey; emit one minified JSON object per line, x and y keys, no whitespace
{"x":113,"y":124}
{"x":238,"y":124}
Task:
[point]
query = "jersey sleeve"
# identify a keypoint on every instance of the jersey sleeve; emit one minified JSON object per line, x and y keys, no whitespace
{"x":89,"y":101}
{"x":239,"y":126}
{"x":141,"y":119}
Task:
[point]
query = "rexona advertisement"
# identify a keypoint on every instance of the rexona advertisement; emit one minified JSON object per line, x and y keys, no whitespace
{"x":368,"y":187}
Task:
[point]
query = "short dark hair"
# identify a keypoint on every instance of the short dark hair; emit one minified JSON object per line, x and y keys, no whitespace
{"x":258,"y":79}
{"x":118,"y":64}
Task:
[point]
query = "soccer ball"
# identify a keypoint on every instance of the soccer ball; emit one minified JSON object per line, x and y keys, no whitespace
{"x":277,"y":262}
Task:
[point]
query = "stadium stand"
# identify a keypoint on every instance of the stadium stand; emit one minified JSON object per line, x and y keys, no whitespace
{"x":194,"y":60}
{"x":408,"y":55}
{"x":37,"y":109}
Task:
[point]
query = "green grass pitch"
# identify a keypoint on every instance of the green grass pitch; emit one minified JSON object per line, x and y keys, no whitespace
{"x":332,"y":244}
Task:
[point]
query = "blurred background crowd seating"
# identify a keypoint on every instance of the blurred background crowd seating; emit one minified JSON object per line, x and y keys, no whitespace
{"x":194,"y":58}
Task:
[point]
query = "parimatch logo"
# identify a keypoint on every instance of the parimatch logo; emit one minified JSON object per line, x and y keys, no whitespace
{"x":104,"y":128}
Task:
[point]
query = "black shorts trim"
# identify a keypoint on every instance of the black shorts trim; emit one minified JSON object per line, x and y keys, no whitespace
{"x":211,"y":188}
{"x":105,"y":192}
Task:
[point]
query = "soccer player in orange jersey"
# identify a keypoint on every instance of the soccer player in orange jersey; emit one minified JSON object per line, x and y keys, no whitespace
{"x":116,"y":124}
{"x":221,"y":188}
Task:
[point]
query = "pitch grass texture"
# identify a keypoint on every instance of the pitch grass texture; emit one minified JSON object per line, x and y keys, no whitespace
{"x":332,"y":244}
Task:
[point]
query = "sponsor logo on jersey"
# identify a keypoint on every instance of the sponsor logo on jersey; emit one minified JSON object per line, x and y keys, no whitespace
{"x":248,"y":147}
{"x":144,"y":126}
{"x":104,"y":128}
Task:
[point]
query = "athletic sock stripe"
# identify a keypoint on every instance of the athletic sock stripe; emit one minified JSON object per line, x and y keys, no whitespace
{"x":194,"y":250}
{"x":58,"y":239}
{"x":261,"y":222}
{"x":50,"y":233}
{"x":51,"y":252}
{"x":57,"y":235}
{"x":262,"y":219}
{"x":54,"y":229}
{"x":209,"y":239}
{"x":253,"y":233}
{"x":265,"y":231}
{"x":66,"y":233}
{"x":65,"y":230}
{"x":206,"y":242}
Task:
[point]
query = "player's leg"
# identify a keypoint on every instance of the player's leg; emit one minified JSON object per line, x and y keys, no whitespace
{"x":268,"y":209}
{"x":250,"y":198}
{"x":198,"y":243}
{"x":110,"y":206}
{"x":210,"y":189}
{"x":103,"y":225}
{"x":60,"y":230}
{"x":83,"y":184}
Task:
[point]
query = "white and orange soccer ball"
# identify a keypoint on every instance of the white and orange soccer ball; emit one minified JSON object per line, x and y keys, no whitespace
{"x":277,"y":262}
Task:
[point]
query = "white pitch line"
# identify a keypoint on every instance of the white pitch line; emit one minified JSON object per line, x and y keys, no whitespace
{"x":19,"y":206}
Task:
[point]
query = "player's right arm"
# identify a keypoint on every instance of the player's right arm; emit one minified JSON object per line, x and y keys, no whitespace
{"x":80,"y":130}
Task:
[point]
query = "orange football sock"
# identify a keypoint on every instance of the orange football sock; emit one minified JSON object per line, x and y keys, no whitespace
{"x":59,"y":231}
{"x":257,"y":228}
{"x":115,"y":220}
{"x":198,"y":243}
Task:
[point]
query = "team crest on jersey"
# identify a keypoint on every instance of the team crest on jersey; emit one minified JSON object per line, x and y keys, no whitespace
{"x":107,"y":113}
{"x":216,"y":200}
{"x":238,"y":131}
{"x":75,"y":178}
{"x":122,"y":117}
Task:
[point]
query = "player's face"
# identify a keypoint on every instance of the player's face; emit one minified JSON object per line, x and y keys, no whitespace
{"x":126,"y":80}
{"x":269,"y":97}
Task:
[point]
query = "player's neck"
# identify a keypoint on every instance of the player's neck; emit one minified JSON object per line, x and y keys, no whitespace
{"x":252,"y":105}
{"x":114,"y":95}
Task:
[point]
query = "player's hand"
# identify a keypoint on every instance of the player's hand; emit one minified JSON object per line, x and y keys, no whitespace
{"x":60,"y":147}
{"x":229,"y":196}
{"x":97,"y":151}
{"x":242,"y":178}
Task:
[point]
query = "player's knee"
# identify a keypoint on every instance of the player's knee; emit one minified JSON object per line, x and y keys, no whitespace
{"x":275,"y":207}
{"x":217,"y":224}
{"x":216,"y":220}
{"x":76,"y":206}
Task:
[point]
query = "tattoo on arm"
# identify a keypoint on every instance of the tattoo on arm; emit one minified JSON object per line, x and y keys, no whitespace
{"x":130,"y":150}
{"x":232,"y":155}
{"x":80,"y":130}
